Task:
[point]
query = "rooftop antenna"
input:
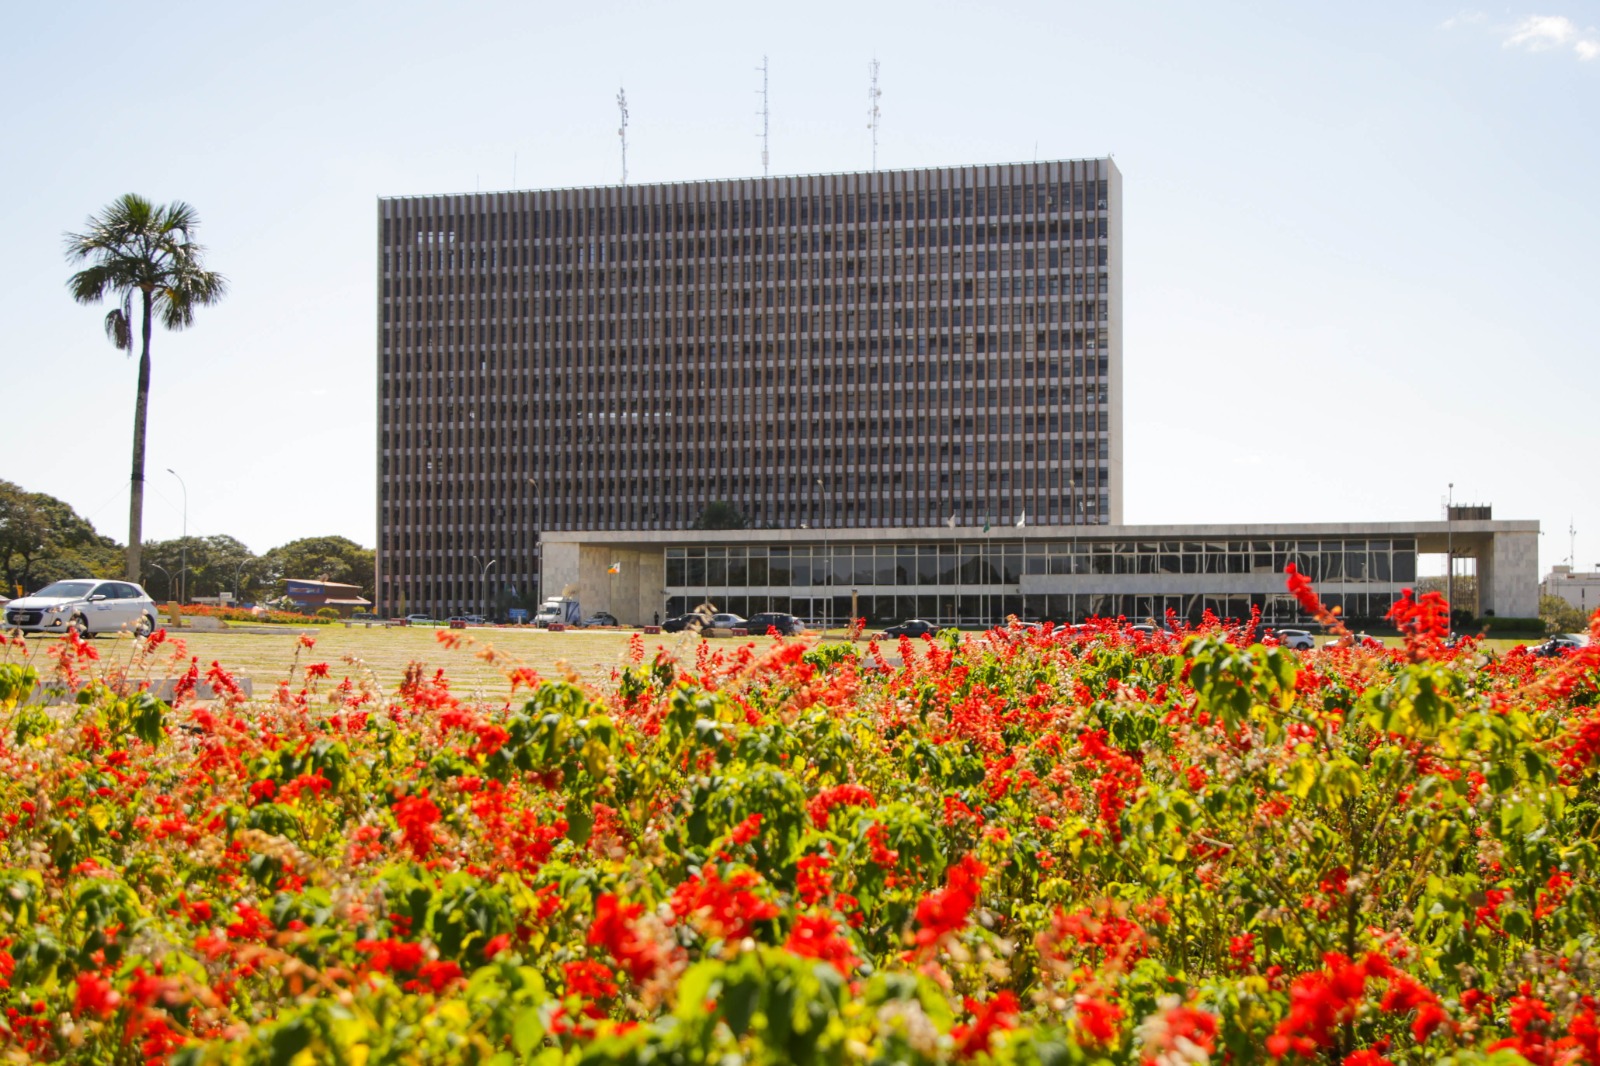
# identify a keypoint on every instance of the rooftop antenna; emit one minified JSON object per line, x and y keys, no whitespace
{"x":872,"y":111}
{"x":622,"y":131}
{"x":764,"y":119}
{"x":1572,"y":545}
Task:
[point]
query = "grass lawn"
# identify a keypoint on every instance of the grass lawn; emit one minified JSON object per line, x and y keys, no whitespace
{"x":266,"y":657}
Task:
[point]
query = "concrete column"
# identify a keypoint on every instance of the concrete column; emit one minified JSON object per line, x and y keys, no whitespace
{"x":560,"y":568}
{"x":1508,"y":576}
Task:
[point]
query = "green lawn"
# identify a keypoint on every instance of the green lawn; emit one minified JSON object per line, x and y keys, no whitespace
{"x":265,"y":657}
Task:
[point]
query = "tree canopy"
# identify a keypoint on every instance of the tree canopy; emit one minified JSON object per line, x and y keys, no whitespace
{"x":42,"y":539}
{"x":322,"y":559}
{"x":720,"y":514}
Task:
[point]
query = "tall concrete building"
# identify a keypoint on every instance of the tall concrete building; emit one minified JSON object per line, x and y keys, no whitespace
{"x":898,"y":349}
{"x":907,"y":383}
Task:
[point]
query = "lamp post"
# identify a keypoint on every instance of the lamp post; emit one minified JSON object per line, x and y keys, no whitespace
{"x":183,"y":545}
{"x":1450,"y":555}
{"x":536,"y":555}
{"x":158,"y":566}
{"x":483,"y":582}
{"x":236,"y":571}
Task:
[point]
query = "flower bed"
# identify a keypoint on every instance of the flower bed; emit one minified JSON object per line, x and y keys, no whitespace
{"x":1027,"y":846}
{"x":243,"y":614}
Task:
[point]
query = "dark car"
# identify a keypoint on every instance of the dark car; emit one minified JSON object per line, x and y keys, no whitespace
{"x":786,"y":625}
{"x":601,"y":618}
{"x":1555,"y":647}
{"x":911,"y":627}
{"x":679,"y":622}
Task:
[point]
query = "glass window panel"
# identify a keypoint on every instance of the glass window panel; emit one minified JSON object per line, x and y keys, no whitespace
{"x":758,"y":570}
{"x":716,"y":571}
{"x":1405,"y":567}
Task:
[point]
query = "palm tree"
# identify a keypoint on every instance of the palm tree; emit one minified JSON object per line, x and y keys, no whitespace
{"x":141,"y":249}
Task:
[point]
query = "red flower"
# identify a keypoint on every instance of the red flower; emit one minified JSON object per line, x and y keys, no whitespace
{"x":589,"y":979}
{"x":838,"y":796}
{"x":1098,"y":1018}
{"x":816,"y":936}
{"x":997,"y":1015}
{"x":416,"y":816}
{"x":95,"y":996}
{"x":390,"y":956}
{"x":944,"y":910}
{"x":725,"y":909}
{"x":1425,"y":623}
{"x":613,"y":928}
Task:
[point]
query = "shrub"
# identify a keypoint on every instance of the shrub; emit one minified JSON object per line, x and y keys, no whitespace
{"x":1495,"y":626}
{"x":1017,"y":848}
{"x":329,"y":614}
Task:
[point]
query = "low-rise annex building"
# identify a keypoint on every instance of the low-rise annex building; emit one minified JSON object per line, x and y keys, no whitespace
{"x":975,"y":576}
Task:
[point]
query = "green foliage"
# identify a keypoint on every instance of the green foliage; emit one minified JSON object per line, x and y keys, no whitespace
{"x":321,"y":559}
{"x":720,"y":514}
{"x":42,"y":539}
{"x":1556,"y":615}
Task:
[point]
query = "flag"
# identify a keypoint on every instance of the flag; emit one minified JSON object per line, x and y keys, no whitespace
{"x":1022,"y":519}
{"x":986,"y":525}
{"x":951,"y":522}
{"x":614,"y":568}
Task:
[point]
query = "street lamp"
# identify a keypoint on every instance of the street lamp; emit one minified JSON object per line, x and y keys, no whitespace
{"x":158,"y":566}
{"x":1450,"y":555}
{"x":236,"y":580}
{"x":183,"y":565}
{"x":483,"y":582}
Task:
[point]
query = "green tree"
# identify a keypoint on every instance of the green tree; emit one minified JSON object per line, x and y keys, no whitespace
{"x":720,"y":514}
{"x":321,"y":559}
{"x":42,"y":539}
{"x":1560,"y":616}
{"x":139,"y":250}
{"x":215,"y":563}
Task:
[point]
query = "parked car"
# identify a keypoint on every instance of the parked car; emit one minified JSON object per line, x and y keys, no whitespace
{"x":475,"y":619}
{"x":87,"y":606}
{"x":679,"y":622}
{"x":419,"y":620}
{"x":601,"y":618}
{"x":911,"y":627}
{"x":787,"y":625}
{"x":1556,"y":646}
{"x":1353,"y":640}
{"x":1298,"y":639}
{"x":726,"y":620}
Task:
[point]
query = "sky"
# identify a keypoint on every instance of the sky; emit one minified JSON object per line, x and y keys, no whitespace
{"x":1360,"y":238}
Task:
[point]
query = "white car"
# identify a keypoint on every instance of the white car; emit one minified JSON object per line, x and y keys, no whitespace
{"x":86,"y":605}
{"x":1298,"y":639}
{"x":726,"y":621}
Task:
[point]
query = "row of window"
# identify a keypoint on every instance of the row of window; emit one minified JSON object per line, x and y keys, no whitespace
{"x":546,"y":216}
{"x":973,"y":608}
{"x":1380,"y":561}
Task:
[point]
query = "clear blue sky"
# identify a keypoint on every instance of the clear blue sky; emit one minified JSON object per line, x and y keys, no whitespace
{"x":1361,"y":238}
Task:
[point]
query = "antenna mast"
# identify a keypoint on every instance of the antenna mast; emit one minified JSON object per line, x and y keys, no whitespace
{"x":1572,"y":544}
{"x":872,"y":111}
{"x":622,"y":131}
{"x":765,"y":171}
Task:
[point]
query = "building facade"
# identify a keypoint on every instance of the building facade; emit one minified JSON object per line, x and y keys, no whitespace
{"x":1581,"y":590}
{"x":880,"y":351}
{"x":970,"y":576}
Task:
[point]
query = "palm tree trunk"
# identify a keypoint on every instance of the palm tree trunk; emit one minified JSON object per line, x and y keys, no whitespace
{"x":136,"y":491}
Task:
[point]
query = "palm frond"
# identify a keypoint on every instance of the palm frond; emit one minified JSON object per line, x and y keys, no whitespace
{"x":119,"y":329}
